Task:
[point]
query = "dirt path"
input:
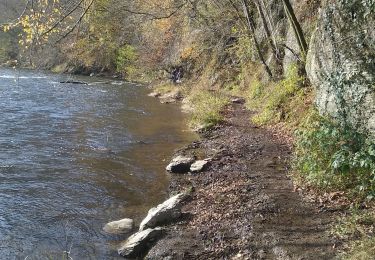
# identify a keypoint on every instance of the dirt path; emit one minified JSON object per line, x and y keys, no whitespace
{"x":244,"y":206}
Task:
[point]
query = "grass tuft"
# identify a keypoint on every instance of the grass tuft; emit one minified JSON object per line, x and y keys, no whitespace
{"x":166,"y":88}
{"x":207,"y":108}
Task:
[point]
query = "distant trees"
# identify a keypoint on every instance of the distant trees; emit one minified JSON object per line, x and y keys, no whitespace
{"x":97,"y":29}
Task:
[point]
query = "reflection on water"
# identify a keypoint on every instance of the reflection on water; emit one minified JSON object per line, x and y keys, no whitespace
{"x":73,"y":157}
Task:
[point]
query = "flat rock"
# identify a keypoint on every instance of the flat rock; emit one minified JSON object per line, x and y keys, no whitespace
{"x":180,"y":164}
{"x":119,"y":227}
{"x":164,"y":213}
{"x":199,"y":166}
{"x":136,"y":244}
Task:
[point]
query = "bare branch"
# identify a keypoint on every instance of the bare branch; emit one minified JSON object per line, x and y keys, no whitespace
{"x":64,"y":17}
{"x":77,"y":23}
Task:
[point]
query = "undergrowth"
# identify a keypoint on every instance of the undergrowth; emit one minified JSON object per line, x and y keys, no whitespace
{"x":363,"y":249}
{"x":207,"y":108}
{"x":126,"y":60}
{"x":272,"y":100}
{"x":332,"y":157}
{"x":357,"y":227}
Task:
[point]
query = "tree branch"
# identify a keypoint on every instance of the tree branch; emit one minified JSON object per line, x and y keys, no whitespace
{"x":77,"y":23}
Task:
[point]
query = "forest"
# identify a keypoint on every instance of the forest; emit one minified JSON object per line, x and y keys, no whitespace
{"x":306,"y":69}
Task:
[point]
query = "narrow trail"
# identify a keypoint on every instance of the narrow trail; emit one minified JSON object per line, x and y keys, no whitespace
{"x":244,"y":206}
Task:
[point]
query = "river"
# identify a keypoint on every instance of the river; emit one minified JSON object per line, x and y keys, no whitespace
{"x":74,"y":157}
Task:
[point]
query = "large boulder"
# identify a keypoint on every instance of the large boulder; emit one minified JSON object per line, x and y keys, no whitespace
{"x":119,"y":227}
{"x":180,"y":164}
{"x":164,"y":213}
{"x":140,"y":242}
{"x":341,"y":63}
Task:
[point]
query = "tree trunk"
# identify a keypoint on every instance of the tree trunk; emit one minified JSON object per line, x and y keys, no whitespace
{"x":296,"y":28}
{"x":251,"y":26}
{"x":273,"y":44}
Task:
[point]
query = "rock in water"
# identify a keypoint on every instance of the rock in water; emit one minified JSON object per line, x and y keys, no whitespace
{"x":136,"y":244}
{"x":154,"y":94}
{"x":180,"y":164}
{"x":199,"y":166}
{"x":164,"y":213}
{"x":74,"y":82}
{"x":119,"y":227}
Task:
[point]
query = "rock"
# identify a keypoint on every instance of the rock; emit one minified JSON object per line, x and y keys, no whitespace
{"x":154,"y":94}
{"x":340,"y":64}
{"x":201,"y":128}
{"x":171,"y":96}
{"x":293,"y":49}
{"x":199,"y":166}
{"x":119,"y":227}
{"x":136,"y":244}
{"x":166,"y":212}
{"x":73,"y":82}
{"x":180,"y":164}
{"x":238,"y":101}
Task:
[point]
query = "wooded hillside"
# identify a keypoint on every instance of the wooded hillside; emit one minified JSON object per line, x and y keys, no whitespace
{"x":307,"y":66}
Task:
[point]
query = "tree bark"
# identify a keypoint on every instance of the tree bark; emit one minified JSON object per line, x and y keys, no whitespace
{"x":251,"y":25}
{"x":273,"y":44}
{"x":296,"y":28}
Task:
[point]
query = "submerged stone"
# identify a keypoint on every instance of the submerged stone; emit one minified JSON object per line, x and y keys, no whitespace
{"x":119,"y":227}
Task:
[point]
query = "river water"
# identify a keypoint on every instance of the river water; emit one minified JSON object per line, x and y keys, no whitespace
{"x":74,"y":157}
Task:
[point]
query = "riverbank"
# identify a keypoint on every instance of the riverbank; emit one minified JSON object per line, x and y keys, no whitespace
{"x":244,"y":206}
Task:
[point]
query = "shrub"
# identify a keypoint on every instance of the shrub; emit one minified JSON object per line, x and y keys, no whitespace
{"x":207,"y":108}
{"x":5,"y":47}
{"x":126,"y":59}
{"x":331,"y":156}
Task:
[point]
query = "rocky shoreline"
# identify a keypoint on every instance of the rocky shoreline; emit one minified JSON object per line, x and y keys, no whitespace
{"x":240,"y":204}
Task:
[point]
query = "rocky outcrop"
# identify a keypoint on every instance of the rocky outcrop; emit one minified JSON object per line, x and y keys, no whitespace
{"x":119,"y":227}
{"x":341,"y":63}
{"x":166,"y":212}
{"x":138,"y":243}
{"x":180,"y":164}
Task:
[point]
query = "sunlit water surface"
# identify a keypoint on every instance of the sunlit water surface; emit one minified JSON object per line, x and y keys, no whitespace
{"x":73,"y":157}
